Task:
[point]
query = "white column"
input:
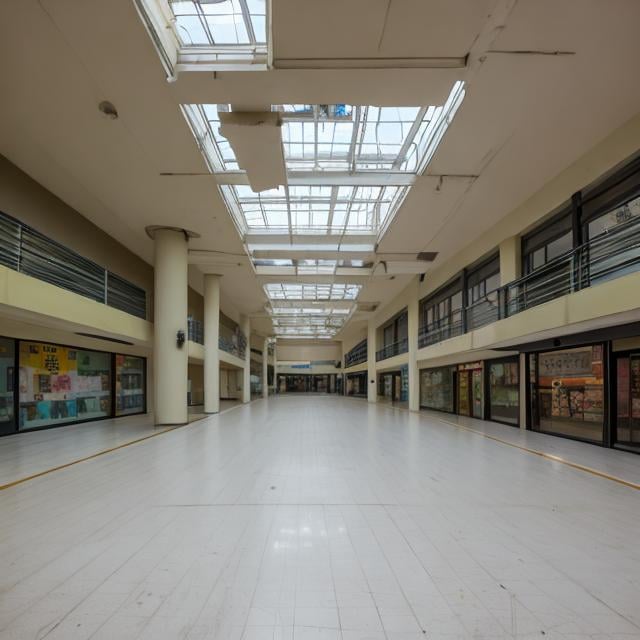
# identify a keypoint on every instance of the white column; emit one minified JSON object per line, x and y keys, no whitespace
{"x":275,"y":366}
{"x":412,"y":336}
{"x":170,"y":361}
{"x":211,"y":339}
{"x":372,"y":386}
{"x":510,"y":260}
{"x":245,"y":326}
{"x":265,"y":368}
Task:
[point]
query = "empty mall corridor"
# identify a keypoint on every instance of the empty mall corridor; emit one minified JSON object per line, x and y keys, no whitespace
{"x":325,"y":517}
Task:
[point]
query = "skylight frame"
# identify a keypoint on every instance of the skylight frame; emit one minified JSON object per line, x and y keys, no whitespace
{"x":418,"y":132}
{"x":205,"y":23}
{"x":330,"y":210}
{"x":312,"y":292}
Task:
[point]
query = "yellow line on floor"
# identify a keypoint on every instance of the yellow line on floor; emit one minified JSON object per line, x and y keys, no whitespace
{"x":543,"y":454}
{"x":112,"y":449}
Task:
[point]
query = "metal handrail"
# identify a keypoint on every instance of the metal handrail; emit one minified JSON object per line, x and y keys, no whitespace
{"x":357,"y":355}
{"x":28,"y":251}
{"x":392,"y":349}
{"x":610,"y":255}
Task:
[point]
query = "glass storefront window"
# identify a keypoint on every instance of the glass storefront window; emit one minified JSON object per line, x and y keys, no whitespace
{"x":60,"y":384}
{"x":470,"y":395}
{"x":504,"y":391}
{"x":436,"y":389}
{"x":628,"y":400}
{"x":7,"y":382}
{"x":130,"y":383}
{"x":570,"y":393}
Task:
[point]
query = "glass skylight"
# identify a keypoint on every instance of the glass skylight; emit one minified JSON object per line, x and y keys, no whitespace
{"x":313,"y":209}
{"x":312,"y":322}
{"x":340,"y":137}
{"x":298,"y":291}
{"x":219,"y":22}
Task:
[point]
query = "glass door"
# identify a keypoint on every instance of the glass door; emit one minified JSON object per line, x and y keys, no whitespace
{"x":7,"y":386}
{"x":628,"y":400}
{"x":476,"y":378}
{"x":464,"y":393}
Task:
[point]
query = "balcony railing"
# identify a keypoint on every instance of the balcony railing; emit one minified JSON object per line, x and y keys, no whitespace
{"x":609,"y":256}
{"x":195,"y":330}
{"x":357,"y":355}
{"x":392,"y":349}
{"x":26,"y":250}
{"x":232,"y":341}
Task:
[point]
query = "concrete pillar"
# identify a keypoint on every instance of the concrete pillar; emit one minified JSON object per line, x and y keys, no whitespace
{"x":510,"y":260}
{"x":275,"y":366}
{"x":245,"y":327}
{"x":170,"y":361}
{"x":211,"y":336}
{"x":412,"y":333}
{"x":372,"y":386}
{"x":523,"y":390}
{"x":265,"y":368}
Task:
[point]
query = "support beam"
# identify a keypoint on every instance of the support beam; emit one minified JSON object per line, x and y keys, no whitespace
{"x":170,"y":358}
{"x":211,"y":340}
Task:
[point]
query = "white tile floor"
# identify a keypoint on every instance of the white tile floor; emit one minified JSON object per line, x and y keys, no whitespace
{"x":319,"y":518}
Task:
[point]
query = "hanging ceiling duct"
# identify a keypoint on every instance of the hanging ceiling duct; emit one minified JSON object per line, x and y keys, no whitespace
{"x":256,"y":140}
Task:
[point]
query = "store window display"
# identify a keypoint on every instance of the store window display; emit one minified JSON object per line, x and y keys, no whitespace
{"x":627,"y":431}
{"x":60,"y":384}
{"x":470,"y":395}
{"x":130,"y":385}
{"x":569,"y":392}
{"x":437,"y":389}
{"x":504,"y":391}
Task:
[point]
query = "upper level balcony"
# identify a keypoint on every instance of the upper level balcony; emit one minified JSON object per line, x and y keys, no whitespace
{"x":608,"y":256}
{"x":357,"y":355}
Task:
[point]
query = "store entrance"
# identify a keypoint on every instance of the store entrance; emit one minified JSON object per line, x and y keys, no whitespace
{"x":627,"y":427}
{"x":390,"y":386}
{"x":470,"y":391}
{"x":7,"y":386}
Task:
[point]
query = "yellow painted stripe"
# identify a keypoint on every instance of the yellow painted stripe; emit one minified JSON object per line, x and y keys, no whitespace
{"x":105,"y":451}
{"x":543,"y":454}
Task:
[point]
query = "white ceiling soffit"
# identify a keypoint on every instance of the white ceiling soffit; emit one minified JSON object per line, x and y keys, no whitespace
{"x":256,"y":139}
{"x":401,"y":33}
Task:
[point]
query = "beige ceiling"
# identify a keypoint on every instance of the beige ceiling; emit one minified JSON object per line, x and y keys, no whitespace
{"x":526,"y":116}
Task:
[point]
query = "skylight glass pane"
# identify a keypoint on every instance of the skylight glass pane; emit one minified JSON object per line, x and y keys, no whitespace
{"x":202,"y":23}
{"x":296,"y":291}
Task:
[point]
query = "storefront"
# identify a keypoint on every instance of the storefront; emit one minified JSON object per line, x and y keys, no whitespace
{"x":356,"y":384}
{"x":437,"y":389}
{"x":627,"y":400}
{"x":309,"y":383}
{"x":504,"y":390}
{"x":57,"y":385}
{"x":567,"y":389}
{"x":470,"y":394}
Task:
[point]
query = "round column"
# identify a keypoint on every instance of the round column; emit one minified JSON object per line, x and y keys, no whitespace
{"x":211,"y":340}
{"x":170,"y":359}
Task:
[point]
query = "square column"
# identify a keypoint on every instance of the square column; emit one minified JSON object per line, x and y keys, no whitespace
{"x":245,"y":326}
{"x":170,"y":357}
{"x":372,"y":386}
{"x":413,"y":311}
{"x":510,"y":259}
{"x":211,"y":343}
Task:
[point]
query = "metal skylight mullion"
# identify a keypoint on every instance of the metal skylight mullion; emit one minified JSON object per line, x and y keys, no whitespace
{"x":203,"y":20}
{"x":211,"y":134}
{"x":332,"y":204}
{"x":404,"y":149}
{"x":288,"y":199}
{"x":361,"y":132}
{"x":354,"y":136}
{"x":248,"y":25}
{"x":315,"y":137}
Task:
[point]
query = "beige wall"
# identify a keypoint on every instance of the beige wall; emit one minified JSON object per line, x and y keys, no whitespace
{"x":196,"y":380}
{"x":24,"y":199}
{"x":296,"y":350}
{"x":230,"y":384}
